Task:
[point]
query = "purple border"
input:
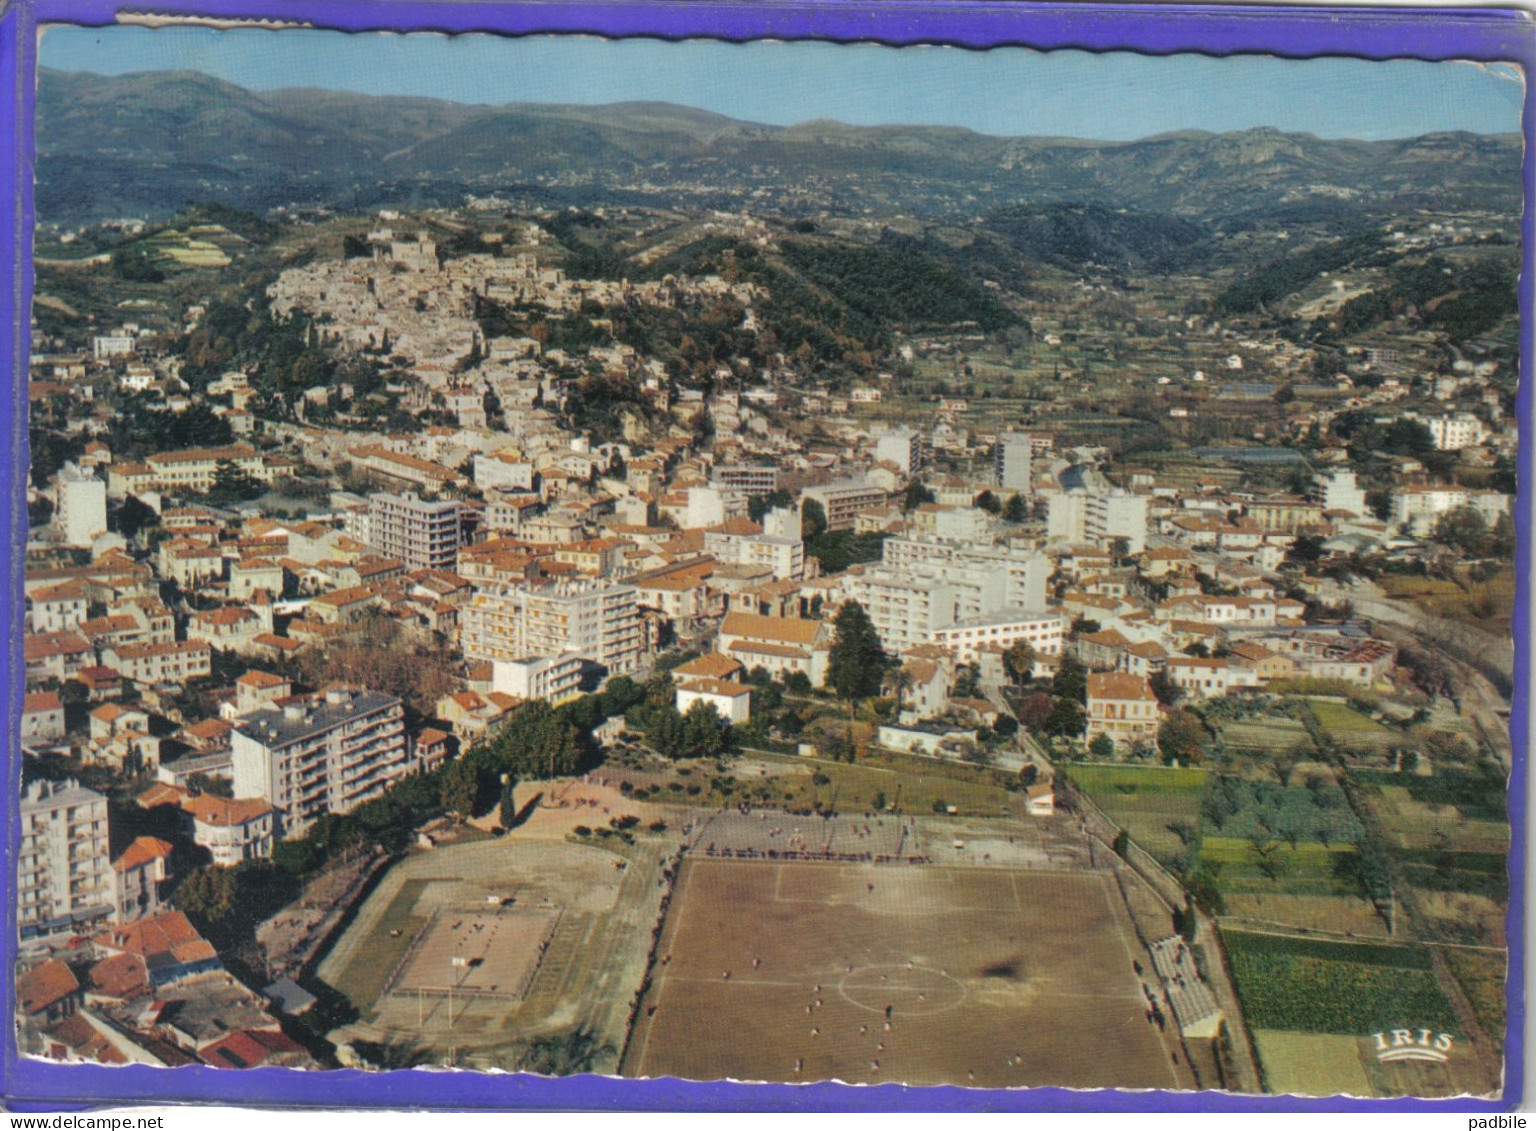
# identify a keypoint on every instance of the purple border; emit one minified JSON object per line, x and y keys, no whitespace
{"x":1481,"y":34}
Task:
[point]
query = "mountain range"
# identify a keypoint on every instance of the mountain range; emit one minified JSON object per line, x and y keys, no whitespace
{"x":150,"y":142}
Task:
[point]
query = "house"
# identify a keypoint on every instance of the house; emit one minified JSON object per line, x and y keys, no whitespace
{"x":58,"y":608}
{"x":1265,"y":664}
{"x":232,"y":830}
{"x":55,"y":655}
{"x":711,"y":665}
{"x":1041,"y":798}
{"x":42,"y":717}
{"x":229,"y":628}
{"x":48,"y":992}
{"x":731,"y":701}
{"x":256,"y":1048}
{"x":474,"y":716}
{"x":170,"y":946}
{"x":432,"y":748}
{"x":1122,"y":707}
{"x":927,"y":688}
{"x":782,"y":646}
{"x":1205,"y":678}
{"x":140,"y":874}
{"x":161,"y":663}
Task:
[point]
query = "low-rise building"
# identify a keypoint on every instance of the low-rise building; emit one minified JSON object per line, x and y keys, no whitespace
{"x":1123,"y":707}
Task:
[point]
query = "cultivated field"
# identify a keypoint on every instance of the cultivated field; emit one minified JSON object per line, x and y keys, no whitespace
{"x":997,"y":977}
{"x":1147,"y":801}
{"x":1311,"y":1064}
{"x":1304,"y":999}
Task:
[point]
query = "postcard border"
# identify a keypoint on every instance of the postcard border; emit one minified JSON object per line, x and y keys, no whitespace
{"x":1480,"y":34}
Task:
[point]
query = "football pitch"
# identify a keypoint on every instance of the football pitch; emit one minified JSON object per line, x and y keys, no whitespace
{"x":919,"y":975}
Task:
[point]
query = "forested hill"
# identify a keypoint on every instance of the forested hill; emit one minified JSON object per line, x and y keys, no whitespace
{"x":151,"y":142}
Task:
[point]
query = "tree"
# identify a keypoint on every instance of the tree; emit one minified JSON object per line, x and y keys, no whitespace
{"x":1305,"y":550}
{"x":1020,"y":660}
{"x":759,"y":505}
{"x":1016,"y":510}
{"x":813,"y":519}
{"x":1067,"y":718}
{"x":1168,"y":693}
{"x":231,"y":484}
{"x":1102,"y":747}
{"x":916,"y":495}
{"x":1035,"y":709}
{"x":1463,"y":529}
{"x":857,"y":661}
{"x":459,"y":786}
{"x":1180,"y":738}
{"x":1070,"y":680}
{"x":507,"y":810}
{"x":987,"y":501}
{"x":1005,"y":726}
{"x":704,"y":732}
{"x":135,"y":515}
{"x":202,"y":783}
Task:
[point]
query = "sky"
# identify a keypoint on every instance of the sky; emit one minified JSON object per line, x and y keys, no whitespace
{"x":1004,"y":91}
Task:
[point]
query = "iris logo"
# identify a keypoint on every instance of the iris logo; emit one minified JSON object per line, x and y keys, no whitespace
{"x":1409,"y":1044}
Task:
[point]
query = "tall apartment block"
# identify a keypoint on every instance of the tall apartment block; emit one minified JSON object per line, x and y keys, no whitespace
{"x":1013,"y":461}
{"x":327,"y":756}
{"x":594,"y":619}
{"x":422,"y":534}
{"x":64,"y":870}
{"x":82,"y":506}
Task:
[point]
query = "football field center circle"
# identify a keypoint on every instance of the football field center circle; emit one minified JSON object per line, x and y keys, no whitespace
{"x":907,"y":990}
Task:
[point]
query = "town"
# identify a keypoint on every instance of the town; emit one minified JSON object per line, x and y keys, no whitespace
{"x":424,"y":604}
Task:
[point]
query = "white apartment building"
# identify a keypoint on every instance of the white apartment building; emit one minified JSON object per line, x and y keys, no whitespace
{"x":1014,"y":450}
{"x":1340,"y":492}
{"x":1453,"y":431}
{"x":504,"y":470}
{"x":104,"y":347}
{"x":64,"y":871}
{"x":1417,"y":509}
{"x":553,"y":678}
{"x":1045,"y":632}
{"x":82,"y":506}
{"x":1023,"y":572}
{"x":327,"y":756}
{"x":1098,"y":517}
{"x":706,"y":507}
{"x":175,"y":662}
{"x":778,"y":546}
{"x":746,"y":480}
{"x":903,"y":447}
{"x":594,"y":619}
{"x":843,"y":500}
{"x":419,"y":533}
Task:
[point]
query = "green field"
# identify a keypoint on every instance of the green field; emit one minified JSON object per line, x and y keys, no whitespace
{"x":1147,"y":801}
{"x":1311,"y":1064}
{"x":1162,"y":780}
{"x":1266,"y":734}
{"x":1307,"y":869}
{"x":1353,"y":989}
{"x":1346,"y":724}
